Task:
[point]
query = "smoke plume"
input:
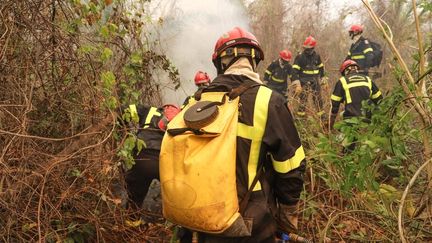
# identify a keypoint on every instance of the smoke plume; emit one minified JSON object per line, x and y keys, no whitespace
{"x":189,"y":31}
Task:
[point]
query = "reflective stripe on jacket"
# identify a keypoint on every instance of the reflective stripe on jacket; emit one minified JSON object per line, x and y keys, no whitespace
{"x":277,"y":77}
{"x":352,"y":90}
{"x":308,"y":67}
{"x":361,"y":52}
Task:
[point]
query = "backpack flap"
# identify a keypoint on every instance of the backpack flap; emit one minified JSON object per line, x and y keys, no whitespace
{"x":191,"y":121}
{"x":197,"y":171}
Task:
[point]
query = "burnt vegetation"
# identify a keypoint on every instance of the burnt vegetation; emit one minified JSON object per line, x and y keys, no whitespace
{"x":67,"y":65}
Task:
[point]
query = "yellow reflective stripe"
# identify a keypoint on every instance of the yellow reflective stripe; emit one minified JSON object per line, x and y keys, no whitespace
{"x":367,"y":50}
{"x":295,"y":66}
{"x":346,"y":89}
{"x":358,"y":84}
{"x":376,"y":95}
{"x":321,"y":65}
{"x":335,"y":98}
{"x":235,"y":51}
{"x":311,"y":71}
{"x":358,"y":57}
{"x":291,"y":163}
{"x":256,"y":132}
{"x":277,"y":80}
{"x":253,"y":53}
{"x":153,"y":112}
{"x":369,"y":84}
{"x":134,"y":113}
{"x":268,"y":72}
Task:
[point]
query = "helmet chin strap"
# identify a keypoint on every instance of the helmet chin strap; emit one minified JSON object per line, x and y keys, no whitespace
{"x":354,"y":36}
{"x":226,"y":62}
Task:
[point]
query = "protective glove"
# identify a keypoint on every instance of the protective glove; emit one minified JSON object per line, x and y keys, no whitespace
{"x":297,"y":87}
{"x":287,"y":217}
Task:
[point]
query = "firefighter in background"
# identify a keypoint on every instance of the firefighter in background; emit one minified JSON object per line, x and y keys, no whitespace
{"x":202,"y":79}
{"x":308,"y":76}
{"x":151,"y":123}
{"x":277,"y":73}
{"x":352,"y":89}
{"x":265,"y":128}
{"x":361,"y":50}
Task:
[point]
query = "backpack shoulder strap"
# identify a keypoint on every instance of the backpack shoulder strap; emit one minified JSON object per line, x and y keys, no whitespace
{"x":244,"y":202}
{"x":236,"y":92}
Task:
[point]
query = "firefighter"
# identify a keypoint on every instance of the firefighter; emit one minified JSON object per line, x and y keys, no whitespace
{"x":308,"y":76}
{"x":151,"y":123}
{"x":202,"y":79}
{"x":266,"y":129}
{"x":361,"y":50}
{"x":352,"y":89}
{"x":278,"y":72}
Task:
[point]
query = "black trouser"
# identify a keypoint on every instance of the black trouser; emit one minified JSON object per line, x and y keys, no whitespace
{"x":140,"y":176}
{"x":310,"y":86}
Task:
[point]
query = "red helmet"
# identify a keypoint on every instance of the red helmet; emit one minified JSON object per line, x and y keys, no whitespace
{"x":236,"y":37}
{"x":356,"y":29}
{"x":169,"y":112}
{"x":346,"y":64}
{"x":310,"y":42}
{"x":285,"y":55}
{"x":201,"y":78}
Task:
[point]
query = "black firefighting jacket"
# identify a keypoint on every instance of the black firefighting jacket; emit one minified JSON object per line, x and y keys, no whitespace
{"x":277,"y":76}
{"x":147,"y":118}
{"x":266,"y":135}
{"x":362,"y":53}
{"x":308,"y":67}
{"x":352,"y":90}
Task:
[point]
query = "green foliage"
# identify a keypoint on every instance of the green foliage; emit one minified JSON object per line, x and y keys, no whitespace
{"x":381,"y":146}
{"x":426,"y":5}
{"x":130,"y":147}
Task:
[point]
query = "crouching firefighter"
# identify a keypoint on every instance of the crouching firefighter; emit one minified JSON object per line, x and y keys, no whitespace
{"x":216,"y":150}
{"x":352,"y":89}
{"x":150,"y":127}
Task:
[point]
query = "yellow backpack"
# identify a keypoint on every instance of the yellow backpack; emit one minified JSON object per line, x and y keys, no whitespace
{"x":198,"y":168}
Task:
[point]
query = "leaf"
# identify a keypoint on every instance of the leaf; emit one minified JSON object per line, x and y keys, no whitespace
{"x":27,"y":227}
{"x":370,"y":143}
{"x":140,"y":144}
{"x":104,"y":31}
{"x":136,"y":58}
{"x":75,"y":172}
{"x":135,"y":223}
{"x":108,"y":79}
{"x":106,"y":54}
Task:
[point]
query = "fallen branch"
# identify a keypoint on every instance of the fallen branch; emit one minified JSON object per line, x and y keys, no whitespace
{"x":404,"y":195}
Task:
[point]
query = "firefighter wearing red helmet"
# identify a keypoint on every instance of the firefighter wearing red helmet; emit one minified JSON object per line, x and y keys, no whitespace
{"x":308,"y":76}
{"x":201,"y":79}
{"x":148,"y":124}
{"x":352,"y":89}
{"x":265,"y":130}
{"x":361,"y":49}
{"x":278,"y":72}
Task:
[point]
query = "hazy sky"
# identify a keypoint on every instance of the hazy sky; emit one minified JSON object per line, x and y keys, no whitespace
{"x":190,"y":33}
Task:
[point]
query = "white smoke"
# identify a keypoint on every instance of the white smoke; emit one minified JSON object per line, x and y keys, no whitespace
{"x":189,"y":32}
